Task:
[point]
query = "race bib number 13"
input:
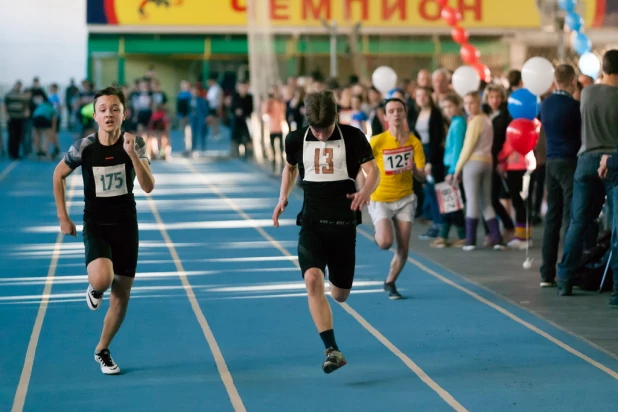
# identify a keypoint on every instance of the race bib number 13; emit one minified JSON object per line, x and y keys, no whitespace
{"x":397,"y":160}
{"x":110,"y":181}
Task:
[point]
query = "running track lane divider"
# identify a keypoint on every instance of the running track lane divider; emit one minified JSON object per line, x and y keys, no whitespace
{"x":8,"y":169}
{"x":447,"y":397}
{"x":224,"y":372}
{"x":498,"y":308}
{"x":24,"y":379}
{"x":510,"y":315}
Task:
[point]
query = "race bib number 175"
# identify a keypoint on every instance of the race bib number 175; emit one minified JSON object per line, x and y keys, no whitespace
{"x":397,"y":160}
{"x":110,"y":181}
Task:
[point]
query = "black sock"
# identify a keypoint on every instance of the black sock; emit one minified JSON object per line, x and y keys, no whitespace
{"x":328,"y":337}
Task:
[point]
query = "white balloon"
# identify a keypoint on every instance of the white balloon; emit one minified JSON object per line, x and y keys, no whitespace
{"x":590,"y":65}
{"x":384,"y":79}
{"x":537,"y":75}
{"x":465,"y":80}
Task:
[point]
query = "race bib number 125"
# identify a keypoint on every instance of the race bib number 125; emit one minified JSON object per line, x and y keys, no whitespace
{"x":110,"y":181}
{"x":397,"y":160}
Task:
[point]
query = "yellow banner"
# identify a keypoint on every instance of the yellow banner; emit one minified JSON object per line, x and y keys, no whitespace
{"x":307,"y":13}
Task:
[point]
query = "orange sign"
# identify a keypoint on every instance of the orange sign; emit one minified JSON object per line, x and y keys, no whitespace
{"x":306,"y":13}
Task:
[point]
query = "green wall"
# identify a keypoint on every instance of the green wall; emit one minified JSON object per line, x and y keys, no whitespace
{"x":176,"y":57}
{"x":284,"y":46}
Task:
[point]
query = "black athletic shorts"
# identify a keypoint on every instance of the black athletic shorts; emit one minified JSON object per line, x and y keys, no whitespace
{"x":334,"y":246}
{"x":143,"y":117}
{"x":118,"y":242}
{"x":41,"y":122}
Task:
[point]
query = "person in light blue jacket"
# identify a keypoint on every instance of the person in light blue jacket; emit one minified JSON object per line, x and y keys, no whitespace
{"x":197,"y":119}
{"x":44,"y":119}
{"x":452,"y":108}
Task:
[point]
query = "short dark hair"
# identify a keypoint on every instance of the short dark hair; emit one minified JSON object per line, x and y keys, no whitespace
{"x":112,"y":91}
{"x":321,"y":109}
{"x":452,"y":98}
{"x":475,"y":94}
{"x":610,"y":62}
{"x":514,"y":78}
{"x":394,"y":99}
{"x":565,"y":74}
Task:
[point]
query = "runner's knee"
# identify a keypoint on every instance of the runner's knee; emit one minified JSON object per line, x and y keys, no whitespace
{"x":340,"y":295}
{"x":100,"y":274}
{"x":384,"y":234}
{"x":121,"y":290}
{"x":384,"y":240}
{"x":314,"y":281}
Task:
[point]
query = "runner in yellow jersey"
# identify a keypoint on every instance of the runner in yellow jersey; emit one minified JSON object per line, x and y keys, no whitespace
{"x":399,"y":155}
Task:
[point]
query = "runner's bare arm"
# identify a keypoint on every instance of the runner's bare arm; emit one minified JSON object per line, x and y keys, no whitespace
{"x":372,"y":176}
{"x":61,"y":172}
{"x":419,"y":174}
{"x":136,"y":149}
{"x":144,"y":174}
{"x":361,"y":198}
{"x":288,"y":180}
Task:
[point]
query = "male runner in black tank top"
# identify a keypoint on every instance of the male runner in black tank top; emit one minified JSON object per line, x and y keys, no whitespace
{"x":110,"y":161}
{"x":328,"y":156}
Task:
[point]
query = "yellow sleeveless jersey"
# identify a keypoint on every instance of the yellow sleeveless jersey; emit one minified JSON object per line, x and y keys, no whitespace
{"x":394,"y":163}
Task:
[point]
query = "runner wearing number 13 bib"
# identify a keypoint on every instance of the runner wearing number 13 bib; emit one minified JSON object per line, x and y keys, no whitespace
{"x":328,"y":156}
{"x":110,"y":161}
{"x":399,"y":155}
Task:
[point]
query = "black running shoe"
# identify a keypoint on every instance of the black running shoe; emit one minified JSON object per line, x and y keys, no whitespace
{"x":391,"y":289}
{"x":334,"y":360}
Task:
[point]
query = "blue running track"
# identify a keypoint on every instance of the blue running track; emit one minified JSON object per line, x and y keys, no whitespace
{"x":218,"y":319}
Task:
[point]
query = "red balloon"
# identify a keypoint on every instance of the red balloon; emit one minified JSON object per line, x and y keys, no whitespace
{"x":483,"y":71}
{"x":450,"y":15}
{"x":459,"y":35}
{"x":538,"y":125}
{"x":469,"y":54}
{"x":522,"y":135}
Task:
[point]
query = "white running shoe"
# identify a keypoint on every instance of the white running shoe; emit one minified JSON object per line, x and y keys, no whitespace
{"x":93,"y":298}
{"x":108,"y":366}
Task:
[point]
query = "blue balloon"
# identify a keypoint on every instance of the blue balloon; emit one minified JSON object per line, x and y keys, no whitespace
{"x":391,"y":92}
{"x":522,"y":104}
{"x":567,"y":5}
{"x":574,"y":21}
{"x":590,"y":65}
{"x":581,"y":43}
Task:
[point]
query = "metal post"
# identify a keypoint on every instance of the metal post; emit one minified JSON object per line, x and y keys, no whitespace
{"x":98,"y":72}
{"x":333,"y":49}
{"x":609,"y":259}
{"x":357,"y":56}
{"x":558,"y":16}
{"x":561,"y":48}
{"x":559,"y":25}
{"x":332,"y":29}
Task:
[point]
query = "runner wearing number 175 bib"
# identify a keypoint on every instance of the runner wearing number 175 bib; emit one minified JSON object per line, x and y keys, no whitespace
{"x":399,"y":155}
{"x":110,"y":161}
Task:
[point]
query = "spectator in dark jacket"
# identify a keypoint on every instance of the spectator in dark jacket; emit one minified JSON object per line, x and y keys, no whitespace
{"x":430,"y":128}
{"x":561,"y":118}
